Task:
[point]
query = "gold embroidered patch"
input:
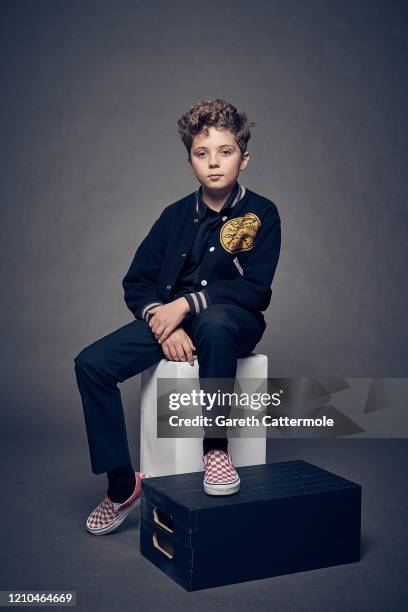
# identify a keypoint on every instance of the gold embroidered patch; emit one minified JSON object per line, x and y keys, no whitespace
{"x":239,"y":234}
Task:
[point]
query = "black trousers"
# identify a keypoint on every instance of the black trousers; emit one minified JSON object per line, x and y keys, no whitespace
{"x":221,"y":334}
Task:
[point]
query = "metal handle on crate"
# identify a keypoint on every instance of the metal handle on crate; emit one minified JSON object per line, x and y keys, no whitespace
{"x":158,"y":521}
{"x":162,"y":550}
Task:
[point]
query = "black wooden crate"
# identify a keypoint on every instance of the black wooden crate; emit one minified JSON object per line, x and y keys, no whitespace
{"x":288,"y":516}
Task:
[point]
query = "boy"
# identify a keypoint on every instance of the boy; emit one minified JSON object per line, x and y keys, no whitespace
{"x":197,"y":283}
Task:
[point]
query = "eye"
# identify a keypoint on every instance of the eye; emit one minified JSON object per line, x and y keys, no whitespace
{"x":227,"y":151}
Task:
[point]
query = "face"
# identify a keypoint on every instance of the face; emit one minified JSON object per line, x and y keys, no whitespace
{"x":216,"y":159}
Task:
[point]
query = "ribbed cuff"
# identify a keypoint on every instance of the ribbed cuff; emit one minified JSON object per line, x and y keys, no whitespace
{"x":198,"y":301}
{"x":143,"y":311}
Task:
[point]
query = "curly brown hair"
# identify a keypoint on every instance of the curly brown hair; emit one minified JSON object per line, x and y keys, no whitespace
{"x":218,"y":113}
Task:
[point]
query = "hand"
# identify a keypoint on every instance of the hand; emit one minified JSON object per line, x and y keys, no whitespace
{"x":179,"y":346}
{"x":167,"y":318}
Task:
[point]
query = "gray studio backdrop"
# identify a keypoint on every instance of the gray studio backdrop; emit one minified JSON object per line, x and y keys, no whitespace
{"x":90,"y":155}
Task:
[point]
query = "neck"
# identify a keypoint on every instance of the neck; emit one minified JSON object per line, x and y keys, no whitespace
{"x":216,"y":199}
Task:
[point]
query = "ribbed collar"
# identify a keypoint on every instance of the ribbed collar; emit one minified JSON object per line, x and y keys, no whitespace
{"x":235,"y":196}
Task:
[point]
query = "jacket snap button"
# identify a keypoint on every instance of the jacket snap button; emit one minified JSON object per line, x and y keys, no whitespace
{"x":195,"y":220}
{"x":224,"y":218}
{"x":203,"y":282}
{"x":212,"y":249}
{"x":168,"y":286}
{"x":183,"y":254}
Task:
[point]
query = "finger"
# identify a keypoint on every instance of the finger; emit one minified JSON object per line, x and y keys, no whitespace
{"x":190,"y":340}
{"x":171,"y":350}
{"x":154,"y":310}
{"x":154,"y":325}
{"x":180,"y":351}
{"x":166,"y":352}
{"x":187,"y":349}
{"x":173,"y":353}
{"x":166,"y":332}
{"x":159,"y":331}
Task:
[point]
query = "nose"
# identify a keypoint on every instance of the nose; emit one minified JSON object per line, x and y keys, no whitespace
{"x":213,"y":161}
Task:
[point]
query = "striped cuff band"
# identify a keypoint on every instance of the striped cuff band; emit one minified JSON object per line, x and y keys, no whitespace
{"x":143,"y":311}
{"x":198,"y":301}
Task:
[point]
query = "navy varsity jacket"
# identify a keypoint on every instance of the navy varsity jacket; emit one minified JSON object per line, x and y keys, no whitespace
{"x":238,"y":270}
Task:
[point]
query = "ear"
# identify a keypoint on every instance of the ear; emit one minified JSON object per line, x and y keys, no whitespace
{"x":244,"y":160}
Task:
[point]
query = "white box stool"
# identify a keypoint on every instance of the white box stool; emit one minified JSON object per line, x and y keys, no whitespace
{"x":165,"y":456}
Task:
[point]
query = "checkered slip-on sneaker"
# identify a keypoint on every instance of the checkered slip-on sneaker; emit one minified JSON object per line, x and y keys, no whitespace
{"x":220,"y":477}
{"x":108,"y":515}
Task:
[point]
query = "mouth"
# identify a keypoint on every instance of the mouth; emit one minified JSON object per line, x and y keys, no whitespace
{"x":215,"y":175}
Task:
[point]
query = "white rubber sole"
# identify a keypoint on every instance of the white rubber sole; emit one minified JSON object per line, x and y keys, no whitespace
{"x":228,"y":489}
{"x":116,"y":522}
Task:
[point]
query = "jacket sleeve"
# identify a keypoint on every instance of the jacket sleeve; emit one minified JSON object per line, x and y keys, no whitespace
{"x":252,"y":289}
{"x":140,"y":283}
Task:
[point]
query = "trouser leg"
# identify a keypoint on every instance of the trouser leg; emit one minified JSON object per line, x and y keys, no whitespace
{"x":99,"y":367}
{"x":221,"y":334}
